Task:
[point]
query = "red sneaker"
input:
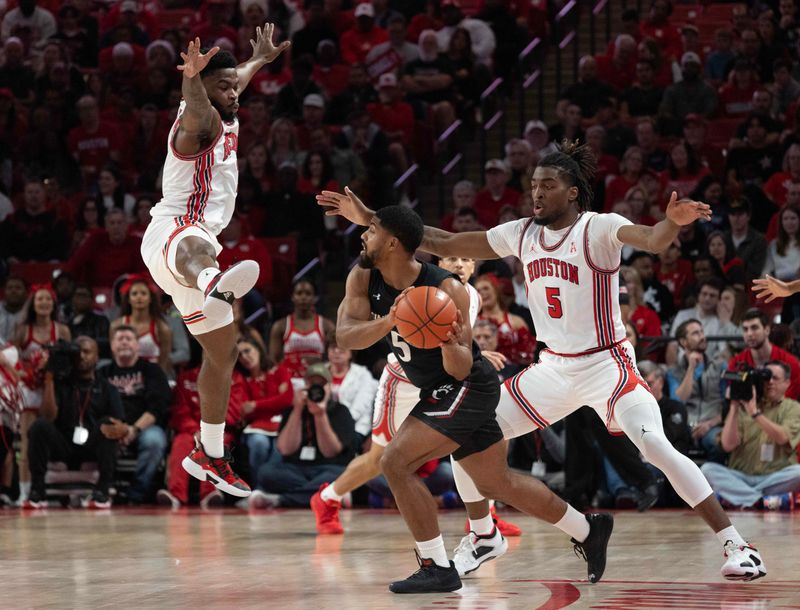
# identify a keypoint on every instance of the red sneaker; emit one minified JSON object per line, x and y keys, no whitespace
{"x":506,"y":528}
{"x":327,"y":513}
{"x":216,"y":471}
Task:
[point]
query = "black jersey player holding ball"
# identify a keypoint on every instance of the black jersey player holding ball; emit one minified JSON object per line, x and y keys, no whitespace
{"x":456,"y":411}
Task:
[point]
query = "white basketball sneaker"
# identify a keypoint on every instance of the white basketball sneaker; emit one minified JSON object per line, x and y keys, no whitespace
{"x":742,"y":562}
{"x":233,"y":283}
{"x":474,"y":550}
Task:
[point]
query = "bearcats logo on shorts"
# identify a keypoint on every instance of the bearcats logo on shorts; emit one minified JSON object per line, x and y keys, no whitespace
{"x":442,"y":391}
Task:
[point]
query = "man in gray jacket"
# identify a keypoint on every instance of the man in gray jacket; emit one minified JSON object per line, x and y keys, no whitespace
{"x":695,"y":381}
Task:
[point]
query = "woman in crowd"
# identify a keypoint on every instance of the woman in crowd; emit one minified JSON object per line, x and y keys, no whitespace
{"x":110,"y":191}
{"x":514,"y":339}
{"x":141,"y":216}
{"x":282,"y":143}
{"x":257,"y":164}
{"x":91,"y":217}
{"x":783,"y":258}
{"x":141,"y":308}
{"x":684,"y":171}
{"x":733,"y":303}
{"x":710,"y":190}
{"x":300,"y":338}
{"x":644,"y":319}
{"x":731,"y":265}
{"x":631,"y":169}
{"x":39,"y":330}
{"x":269,"y":394}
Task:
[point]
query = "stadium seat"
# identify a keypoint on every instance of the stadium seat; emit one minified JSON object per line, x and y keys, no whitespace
{"x":722,"y":130}
{"x":283,"y":251}
{"x":176,"y":18}
{"x":34,"y":273}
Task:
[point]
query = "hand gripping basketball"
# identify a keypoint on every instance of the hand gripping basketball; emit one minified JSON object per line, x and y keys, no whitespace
{"x":424,"y":317}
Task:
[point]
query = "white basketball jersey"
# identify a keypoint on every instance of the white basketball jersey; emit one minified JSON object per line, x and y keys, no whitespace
{"x":571,"y":279}
{"x":201,"y":188}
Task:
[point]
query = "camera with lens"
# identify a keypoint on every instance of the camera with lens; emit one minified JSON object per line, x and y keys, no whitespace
{"x":63,"y":359}
{"x":743,"y":380}
{"x":316,"y":392}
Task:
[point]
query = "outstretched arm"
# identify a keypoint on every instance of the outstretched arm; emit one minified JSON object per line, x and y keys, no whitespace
{"x":354,"y":329}
{"x":771,"y":288}
{"x":199,"y":118}
{"x":264,"y":52}
{"x":658,"y":237}
{"x":473,"y":244}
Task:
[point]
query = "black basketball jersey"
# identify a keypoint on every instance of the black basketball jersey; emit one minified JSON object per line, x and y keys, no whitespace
{"x":423,"y":367}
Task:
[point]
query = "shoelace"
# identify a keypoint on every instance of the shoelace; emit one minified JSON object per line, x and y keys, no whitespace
{"x":223,"y":464}
{"x":579,"y":551}
{"x":466,"y":544}
{"x":420,"y":573}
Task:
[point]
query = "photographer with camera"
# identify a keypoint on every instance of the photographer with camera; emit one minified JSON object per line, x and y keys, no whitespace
{"x":761,"y":435}
{"x":145,"y":394}
{"x":316,"y":440}
{"x":74,"y":424}
{"x":759,"y":349}
{"x":695,"y":381}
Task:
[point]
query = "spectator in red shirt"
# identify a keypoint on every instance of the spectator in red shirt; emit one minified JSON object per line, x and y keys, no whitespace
{"x":185,"y":421}
{"x":778,"y":185}
{"x":219,"y":14}
{"x":255,"y":127}
{"x":269,"y":394}
{"x":329,"y":73}
{"x":684,"y":171}
{"x":643,"y":318}
{"x":318,"y":175}
{"x":619,"y":68}
{"x":674,"y":272}
{"x":360,"y":39}
{"x":395,"y":117}
{"x":495,"y":194}
{"x":93,"y":143}
{"x":759,"y":350}
{"x":107,"y":254}
{"x":736,"y":96}
{"x":658,"y":27}
{"x":694,"y":134}
{"x":631,"y":169}
{"x":238,"y":247}
{"x":313,"y":113}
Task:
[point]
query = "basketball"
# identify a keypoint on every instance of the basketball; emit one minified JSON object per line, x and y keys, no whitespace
{"x":424,"y":316}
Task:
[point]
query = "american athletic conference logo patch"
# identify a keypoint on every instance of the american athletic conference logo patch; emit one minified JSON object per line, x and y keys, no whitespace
{"x":231,"y":144}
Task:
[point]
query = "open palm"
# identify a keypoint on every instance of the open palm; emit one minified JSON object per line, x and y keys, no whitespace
{"x":263,"y":47}
{"x":685,"y":212}
{"x":345,"y":204}
{"x":194,"y":61}
{"x":771,"y":288}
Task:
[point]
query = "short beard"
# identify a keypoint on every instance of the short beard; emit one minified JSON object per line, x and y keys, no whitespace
{"x":365,"y":261}
{"x":223,"y":114}
{"x":543,"y":220}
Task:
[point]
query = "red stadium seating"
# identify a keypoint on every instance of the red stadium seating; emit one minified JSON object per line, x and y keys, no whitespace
{"x":283,"y":251}
{"x":720,"y":131}
{"x":34,"y":273}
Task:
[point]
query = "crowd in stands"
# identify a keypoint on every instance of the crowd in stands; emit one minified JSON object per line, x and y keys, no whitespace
{"x":685,"y":99}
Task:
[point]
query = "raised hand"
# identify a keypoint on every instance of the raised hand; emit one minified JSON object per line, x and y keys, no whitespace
{"x":345,"y":204}
{"x":685,"y":211}
{"x":263,"y":47}
{"x":771,"y":288}
{"x":193,"y":60}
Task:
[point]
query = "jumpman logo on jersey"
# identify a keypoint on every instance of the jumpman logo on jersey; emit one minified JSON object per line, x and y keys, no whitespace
{"x":377,"y":297}
{"x":644,"y":431}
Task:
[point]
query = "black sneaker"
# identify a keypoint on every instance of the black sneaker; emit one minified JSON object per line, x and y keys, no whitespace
{"x":648,"y":498}
{"x":430,"y":578}
{"x":594,"y":548}
{"x":36,"y":499}
{"x":98,"y":500}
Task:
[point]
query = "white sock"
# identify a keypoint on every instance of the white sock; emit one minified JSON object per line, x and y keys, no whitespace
{"x":24,"y":490}
{"x":211,"y":437}
{"x":434,"y":549}
{"x":329,"y":494}
{"x":482,"y":526}
{"x":574,"y":524}
{"x":730,"y":533}
{"x":205,"y":276}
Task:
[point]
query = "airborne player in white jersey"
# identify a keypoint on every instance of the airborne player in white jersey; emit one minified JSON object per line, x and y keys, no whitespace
{"x":180,"y":247}
{"x":571,"y":258}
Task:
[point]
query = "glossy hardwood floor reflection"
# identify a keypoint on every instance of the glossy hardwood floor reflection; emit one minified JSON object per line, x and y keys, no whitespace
{"x":227,"y":559}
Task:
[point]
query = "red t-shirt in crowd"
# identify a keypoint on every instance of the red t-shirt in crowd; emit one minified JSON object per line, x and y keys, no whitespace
{"x":777,"y":187}
{"x":676,"y":280}
{"x":619,"y":78}
{"x":398,"y":116}
{"x":248,"y":248}
{"x":777,"y":354}
{"x":616,"y":190}
{"x":355,"y":44}
{"x":93,"y":150}
{"x":488,"y":208}
{"x":736,"y":102}
{"x":333,"y":80}
{"x":273,"y":394}
{"x":98,"y":262}
{"x":647,"y":324}
{"x":184,"y":413}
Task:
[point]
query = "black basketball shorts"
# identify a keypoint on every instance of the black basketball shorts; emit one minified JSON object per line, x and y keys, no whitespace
{"x":464,"y":411}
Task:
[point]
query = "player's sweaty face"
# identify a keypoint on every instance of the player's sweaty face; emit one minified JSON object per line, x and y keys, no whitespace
{"x":550,"y":195}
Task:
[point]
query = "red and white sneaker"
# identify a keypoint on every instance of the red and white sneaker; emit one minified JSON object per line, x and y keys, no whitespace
{"x":233,"y":283}
{"x":34,"y":501}
{"x":98,"y":500}
{"x":742,"y":562}
{"x":506,"y":528}
{"x":215,"y":470}
{"x":326,"y":513}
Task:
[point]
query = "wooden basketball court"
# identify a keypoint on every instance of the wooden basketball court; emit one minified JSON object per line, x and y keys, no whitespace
{"x":149,"y":558}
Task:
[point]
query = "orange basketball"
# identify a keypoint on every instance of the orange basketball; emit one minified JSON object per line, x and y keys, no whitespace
{"x":424,"y":316}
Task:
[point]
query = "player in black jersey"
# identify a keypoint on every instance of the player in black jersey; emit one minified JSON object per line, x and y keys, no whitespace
{"x":459,"y":393}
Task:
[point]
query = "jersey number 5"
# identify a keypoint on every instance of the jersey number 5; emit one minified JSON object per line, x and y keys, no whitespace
{"x":554,"y":302}
{"x":405,"y":348}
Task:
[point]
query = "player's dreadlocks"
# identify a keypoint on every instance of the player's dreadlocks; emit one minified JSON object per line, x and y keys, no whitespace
{"x":575,"y":163}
